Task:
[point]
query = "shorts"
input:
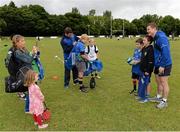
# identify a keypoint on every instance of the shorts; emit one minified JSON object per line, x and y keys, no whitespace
{"x":167,"y":71}
{"x":81,"y":66}
{"x":135,"y":76}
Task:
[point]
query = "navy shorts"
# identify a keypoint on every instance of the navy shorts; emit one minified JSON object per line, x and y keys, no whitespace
{"x":135,"y":76}
{"x":167,"y":71}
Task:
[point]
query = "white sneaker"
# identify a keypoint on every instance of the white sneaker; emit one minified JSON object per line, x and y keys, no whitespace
{"x":43,"y":126}
{"x":144,"y":101}
{"x":98,"y":77}
{"x":155,"y":99}
{"x":162,"y":105}
{"x":35,"y":123}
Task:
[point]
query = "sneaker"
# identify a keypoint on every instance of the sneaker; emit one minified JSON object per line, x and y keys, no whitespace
{"x":132,"y":91}
{"x":75,"y":82}
{"x":21,"y":96}
{"x":144,"y":101}
{"x":27,"y":112}
{"x":137,"y":98}
{"x":66,"y":87}
{"x":98,"y":77}
{"x":155,"y":99}
{"x":83,"y":89}
{"x":135,"y":93}
{"x":35,"y":123}
{"x":162,"y":105}
{"x":42,"y":126}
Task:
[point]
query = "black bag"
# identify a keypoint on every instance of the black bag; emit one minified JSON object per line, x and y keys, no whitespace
{"x":92,"y":83}
{"x":16,"y":84}
{"x":10,"y":63}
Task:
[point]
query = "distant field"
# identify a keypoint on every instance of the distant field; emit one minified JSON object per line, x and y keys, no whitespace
{"x":108,"y":107}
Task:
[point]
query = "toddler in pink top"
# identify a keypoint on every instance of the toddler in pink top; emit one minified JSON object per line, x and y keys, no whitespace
{"x":36,"y":98}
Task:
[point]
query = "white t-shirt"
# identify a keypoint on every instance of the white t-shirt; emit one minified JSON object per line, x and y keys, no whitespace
{"x":92,"y":52}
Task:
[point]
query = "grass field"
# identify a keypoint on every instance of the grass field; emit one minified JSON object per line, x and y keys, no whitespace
{"x":108,"y":107}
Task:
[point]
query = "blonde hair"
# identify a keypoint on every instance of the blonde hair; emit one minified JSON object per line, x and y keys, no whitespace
{"x":15,"y":39}
{"x":84,"y":38}
{"x":29,"y":78}
{"x":92,"y":41}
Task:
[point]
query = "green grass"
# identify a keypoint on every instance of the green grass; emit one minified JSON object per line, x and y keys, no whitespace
{"x":108,"y":107}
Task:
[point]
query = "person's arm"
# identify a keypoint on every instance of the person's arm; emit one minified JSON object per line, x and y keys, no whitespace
{"x":23,"y":56}
{"x":39,"y":93}
{"x":97,"y":51}
{"x":165,"y":52}
{"x":84,"y":56}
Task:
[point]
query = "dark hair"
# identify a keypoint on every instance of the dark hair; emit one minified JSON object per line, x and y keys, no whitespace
{"x":139,"y":40}
{"x":149,"y":38}
{"x":11,"y":36}
{"x":152,"y":25}
{"x":68,"y":30}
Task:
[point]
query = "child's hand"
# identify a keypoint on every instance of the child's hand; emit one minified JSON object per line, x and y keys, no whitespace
{"x":34,"y":50}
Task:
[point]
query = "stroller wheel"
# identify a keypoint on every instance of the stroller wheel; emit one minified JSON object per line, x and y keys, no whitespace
{"x":92,"y":83}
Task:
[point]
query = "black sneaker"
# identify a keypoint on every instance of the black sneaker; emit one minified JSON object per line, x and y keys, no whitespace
{"x":83,"y":89}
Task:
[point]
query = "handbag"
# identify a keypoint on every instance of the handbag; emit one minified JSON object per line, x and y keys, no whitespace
{"x":46,"y":115}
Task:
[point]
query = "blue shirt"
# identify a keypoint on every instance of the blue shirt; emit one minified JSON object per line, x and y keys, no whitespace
{"x":137,"y":57}
{"x":79,"y":49}
{"x":67,"y":44}
{"x":161,"y":50}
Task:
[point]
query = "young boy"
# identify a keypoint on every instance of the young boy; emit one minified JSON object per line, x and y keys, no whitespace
{"x":146,"y":68}
{"x":136,"y":64}
{"x":81,"y":58}
{"x":92,"y":52}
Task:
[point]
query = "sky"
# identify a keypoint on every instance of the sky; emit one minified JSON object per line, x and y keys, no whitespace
{"x":125,"y":9}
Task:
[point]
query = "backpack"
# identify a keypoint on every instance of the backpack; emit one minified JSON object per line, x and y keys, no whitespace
{"x":89,"y":49}
{"x":10,"y":63}
{"x":16,"y":84}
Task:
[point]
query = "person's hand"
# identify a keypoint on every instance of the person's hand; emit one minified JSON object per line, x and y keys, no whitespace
{"x":34,"y":50}
{"x":146,"y":73}
{"x":161,"y":70}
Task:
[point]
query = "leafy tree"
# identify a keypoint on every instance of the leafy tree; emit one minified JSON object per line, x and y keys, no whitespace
{"x":75,"y":10}
{"x":92,"y":12}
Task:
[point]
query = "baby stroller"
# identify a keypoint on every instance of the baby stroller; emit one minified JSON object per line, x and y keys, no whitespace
{"x":91,"y":67}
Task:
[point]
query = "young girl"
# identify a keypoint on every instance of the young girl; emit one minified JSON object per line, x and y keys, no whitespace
{"x":92,"y":52}
{"x":36,"y":98}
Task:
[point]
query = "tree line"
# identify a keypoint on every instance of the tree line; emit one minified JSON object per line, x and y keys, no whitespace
{"x":33,"y":20}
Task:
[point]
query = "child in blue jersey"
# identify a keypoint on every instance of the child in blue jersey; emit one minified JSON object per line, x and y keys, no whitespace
{"x":81,"y":58}
{"x":136,"y":64}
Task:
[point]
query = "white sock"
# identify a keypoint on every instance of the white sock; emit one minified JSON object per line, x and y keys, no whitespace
{"x":158,"y":96}
{"x":164,"y":99}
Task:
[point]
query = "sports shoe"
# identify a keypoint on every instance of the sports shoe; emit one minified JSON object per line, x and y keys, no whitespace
{"x":21,"y":96}
{"x":98,"y":77}
{"x":66,"y":87}
{"x":144,"y":101}
{"x":162,"y":104}
{"x":42,"y":126}
{"x":27,"y":112}
{"x":83,"y":89}
{"x":155,"y":99}
{"x":75,"y":82}
{"x":137,"y":98}
{"x":35,"y":123}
